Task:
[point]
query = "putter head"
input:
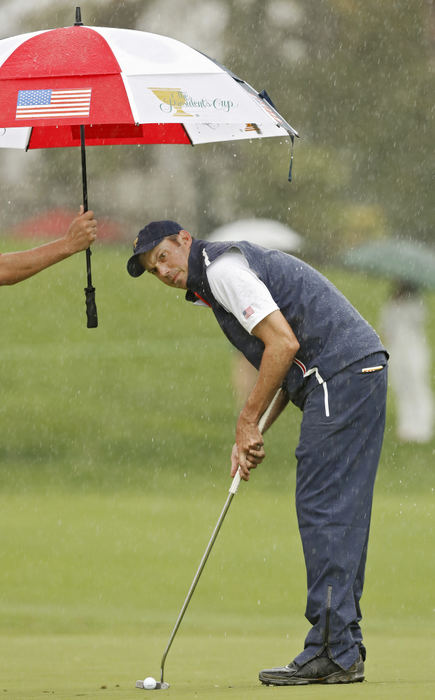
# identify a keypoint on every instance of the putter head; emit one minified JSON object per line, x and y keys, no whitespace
{"x":159,"y":686}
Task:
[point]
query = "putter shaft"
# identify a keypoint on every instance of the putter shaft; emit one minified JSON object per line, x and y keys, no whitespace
{"x":232,"y":491}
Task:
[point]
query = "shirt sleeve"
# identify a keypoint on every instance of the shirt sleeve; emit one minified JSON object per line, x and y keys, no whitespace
{"x":238,"y":289}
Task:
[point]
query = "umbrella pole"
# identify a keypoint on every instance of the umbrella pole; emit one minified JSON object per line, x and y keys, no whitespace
{"x":91,"y":307}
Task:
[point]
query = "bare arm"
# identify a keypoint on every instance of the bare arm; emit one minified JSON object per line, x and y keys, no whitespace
{"x":15,"y":267}
{"x":280,"y":348}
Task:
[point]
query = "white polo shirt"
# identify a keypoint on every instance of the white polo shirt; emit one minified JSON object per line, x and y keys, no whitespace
{"x":238,"y":289}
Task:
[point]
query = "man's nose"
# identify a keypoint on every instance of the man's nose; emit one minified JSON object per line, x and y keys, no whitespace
{"x":162,"y":270}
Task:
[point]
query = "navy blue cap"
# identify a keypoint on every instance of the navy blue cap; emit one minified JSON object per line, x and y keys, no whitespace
{"x":147,"y":239}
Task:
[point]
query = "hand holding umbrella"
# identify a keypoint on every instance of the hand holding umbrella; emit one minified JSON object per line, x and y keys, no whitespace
{"x":82,"y":231}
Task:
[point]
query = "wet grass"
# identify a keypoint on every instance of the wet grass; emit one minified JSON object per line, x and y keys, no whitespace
{"x":208,"y":666}
{"x":113,"y":471}
{"x":92,"y":585}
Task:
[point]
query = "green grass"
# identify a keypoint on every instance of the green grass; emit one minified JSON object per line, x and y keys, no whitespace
{"x":114,"y":463}
{"x":92,"y":585}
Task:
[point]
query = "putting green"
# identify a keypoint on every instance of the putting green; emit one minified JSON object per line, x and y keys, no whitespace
{"x":203,"y":666}
{"x":92,"y":585}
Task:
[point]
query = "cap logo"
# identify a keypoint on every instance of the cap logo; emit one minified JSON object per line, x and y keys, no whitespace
{"x":135,"y":243}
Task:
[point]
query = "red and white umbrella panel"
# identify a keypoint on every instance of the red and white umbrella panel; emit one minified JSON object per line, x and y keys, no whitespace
{"x":126,"y":86}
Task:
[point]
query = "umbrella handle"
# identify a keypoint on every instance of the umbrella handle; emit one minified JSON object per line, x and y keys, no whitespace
{"x":91,"y":307}
{"x":78,"y":22}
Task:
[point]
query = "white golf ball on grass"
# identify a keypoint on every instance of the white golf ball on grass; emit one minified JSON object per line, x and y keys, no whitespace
{"x":149,"y":683}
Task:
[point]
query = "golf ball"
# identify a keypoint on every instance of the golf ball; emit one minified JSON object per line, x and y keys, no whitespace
{"x":149,"y":683}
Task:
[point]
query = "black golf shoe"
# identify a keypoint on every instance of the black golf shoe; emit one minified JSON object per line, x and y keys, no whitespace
{"x":318,"y":670}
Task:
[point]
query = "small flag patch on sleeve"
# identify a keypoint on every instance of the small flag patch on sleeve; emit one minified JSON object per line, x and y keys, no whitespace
{"x":248,"y":312}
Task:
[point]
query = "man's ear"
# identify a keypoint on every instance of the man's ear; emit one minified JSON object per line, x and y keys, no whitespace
{"x":185,"y":237}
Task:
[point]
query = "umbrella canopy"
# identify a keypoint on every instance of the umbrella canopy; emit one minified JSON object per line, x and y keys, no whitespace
{"x":401,"y":260}
{"x":127,"y":87}
{"x":265,"y":232}
{"x":77,"y":86}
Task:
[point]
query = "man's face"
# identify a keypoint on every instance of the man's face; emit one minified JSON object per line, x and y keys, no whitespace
{"x":168,"y":261}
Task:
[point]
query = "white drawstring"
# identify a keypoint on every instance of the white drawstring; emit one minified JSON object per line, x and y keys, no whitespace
{"x":315,"y":371}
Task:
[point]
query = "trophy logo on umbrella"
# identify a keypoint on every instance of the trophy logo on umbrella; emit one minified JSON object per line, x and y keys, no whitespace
{"x":174,"y":98}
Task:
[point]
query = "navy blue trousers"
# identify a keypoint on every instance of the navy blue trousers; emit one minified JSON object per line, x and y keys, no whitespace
{"x":338,"y":456}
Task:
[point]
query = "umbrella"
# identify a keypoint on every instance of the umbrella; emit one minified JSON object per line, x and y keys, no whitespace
{"x":406,"y":261}
{"x":265,"y":232}
{"x":78,"y":86}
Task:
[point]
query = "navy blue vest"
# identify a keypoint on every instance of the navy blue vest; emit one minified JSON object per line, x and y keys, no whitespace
{"x":331,"y":332}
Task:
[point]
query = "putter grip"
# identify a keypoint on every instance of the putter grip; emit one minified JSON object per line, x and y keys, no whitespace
{"x":235,"y":483}
{"x":91,"y":307}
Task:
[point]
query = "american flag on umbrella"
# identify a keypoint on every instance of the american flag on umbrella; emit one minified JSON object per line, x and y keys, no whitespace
{"x":53,"y":103}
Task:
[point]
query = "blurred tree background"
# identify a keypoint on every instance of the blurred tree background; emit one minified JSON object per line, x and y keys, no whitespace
{"x":354,"y":77}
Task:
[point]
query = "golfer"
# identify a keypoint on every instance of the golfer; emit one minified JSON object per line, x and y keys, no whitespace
{"x":313,"y":348}
{"x":15,"y":267}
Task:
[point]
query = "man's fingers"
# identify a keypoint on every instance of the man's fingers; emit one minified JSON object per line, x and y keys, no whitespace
{"x":252,"y":465}
{"x":256,"y":453}
{"x":234,"y":468}
{"x":244,"y":461}
{"x":255,"y":456}
{"x":244,"y":473}
{"x":234,"y":460}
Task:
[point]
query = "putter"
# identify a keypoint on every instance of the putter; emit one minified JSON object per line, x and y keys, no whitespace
{"x":162,"y":685}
